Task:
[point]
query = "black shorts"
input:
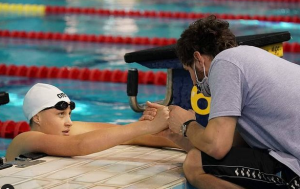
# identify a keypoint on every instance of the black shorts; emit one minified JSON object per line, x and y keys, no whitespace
{"x":251,"y":169}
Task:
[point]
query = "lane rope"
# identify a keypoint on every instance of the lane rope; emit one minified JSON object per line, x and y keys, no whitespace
{"x":84,"y":74}
{"x":287,"y":47}
{"x":48,"y":10}
{"x":10,"y":129}
{"x":88,"y":38}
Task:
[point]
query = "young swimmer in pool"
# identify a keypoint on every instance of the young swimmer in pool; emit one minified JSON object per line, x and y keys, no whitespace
{"x":48,"y":110}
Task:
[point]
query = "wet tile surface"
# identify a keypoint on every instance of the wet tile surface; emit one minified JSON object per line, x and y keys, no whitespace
{"x":123,"y":166}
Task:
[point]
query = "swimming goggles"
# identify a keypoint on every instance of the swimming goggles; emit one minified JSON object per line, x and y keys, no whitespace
{"x":62,"y":105}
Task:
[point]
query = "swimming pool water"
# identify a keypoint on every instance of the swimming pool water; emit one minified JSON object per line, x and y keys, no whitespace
{"x":107,"y":56}
{"x":133,"y":26}
{"x":68,"y":54}
{"x":213,"y":6}
{"x":95,"y":101}
{"x":108,"y":102}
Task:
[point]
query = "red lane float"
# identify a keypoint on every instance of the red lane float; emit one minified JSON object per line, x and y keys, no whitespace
{"x":88,"y":38}
{"x":84,"y":74}
{"x":168,"y":14}
{"x":10,"y":129}
{"x":291,"y":47}
{"x":288,"y":47}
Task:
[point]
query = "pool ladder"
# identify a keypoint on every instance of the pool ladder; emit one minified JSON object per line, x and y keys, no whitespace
{"x":132,"y":90}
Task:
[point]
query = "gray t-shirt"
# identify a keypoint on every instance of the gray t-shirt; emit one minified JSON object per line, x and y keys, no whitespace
{"x":263,"y":91}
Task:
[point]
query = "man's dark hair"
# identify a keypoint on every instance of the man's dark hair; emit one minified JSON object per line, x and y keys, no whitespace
{"x":208,"y":35}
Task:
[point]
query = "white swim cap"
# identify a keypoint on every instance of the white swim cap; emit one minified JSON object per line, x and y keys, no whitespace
{"x":42,"y":96}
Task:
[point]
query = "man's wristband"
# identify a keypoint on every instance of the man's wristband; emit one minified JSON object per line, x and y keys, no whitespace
{"x":185,"y":125}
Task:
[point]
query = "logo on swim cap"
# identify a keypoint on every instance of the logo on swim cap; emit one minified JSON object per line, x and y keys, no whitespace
{"x":61,"y":95}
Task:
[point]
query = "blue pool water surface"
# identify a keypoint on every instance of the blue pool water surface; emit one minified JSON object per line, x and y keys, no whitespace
{"x":108,"y":102}
{"x":213,"y":6}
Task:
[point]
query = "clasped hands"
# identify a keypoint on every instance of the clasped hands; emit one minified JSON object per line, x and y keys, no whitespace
{"x":167,"y":118}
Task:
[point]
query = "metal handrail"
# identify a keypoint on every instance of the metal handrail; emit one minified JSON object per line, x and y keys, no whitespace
{"x":132,"y":86}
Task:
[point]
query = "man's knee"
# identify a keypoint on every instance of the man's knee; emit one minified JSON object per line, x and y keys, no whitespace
{"x":192,"y":165}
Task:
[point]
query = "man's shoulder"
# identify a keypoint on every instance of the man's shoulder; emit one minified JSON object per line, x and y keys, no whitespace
{"x":241,"y":56}
{"x":239,"y":51}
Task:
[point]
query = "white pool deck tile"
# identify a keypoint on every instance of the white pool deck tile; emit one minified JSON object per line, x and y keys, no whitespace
{"x":103,"y":187}
{"x":154,"y":169}
{"x":124,"y":179}
{"x":94,"y":177}
{"x":124,"y":166}
{"x":158,"y":181}
{"x":68,"y":173}
{"x":37,"y":183}
{"x":48,"y":167}
{"x":70,"y":185}
{"x":11,"y":180}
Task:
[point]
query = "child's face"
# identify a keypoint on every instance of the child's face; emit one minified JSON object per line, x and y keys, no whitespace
{"x":56,"y":122}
